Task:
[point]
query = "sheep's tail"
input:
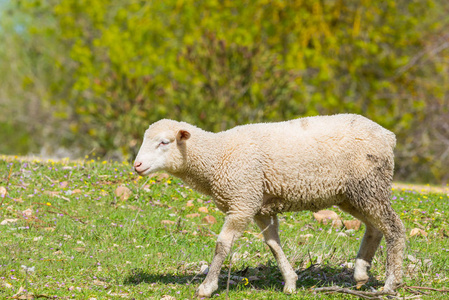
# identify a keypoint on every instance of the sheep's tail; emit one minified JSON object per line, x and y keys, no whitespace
{"x":391,"y":138}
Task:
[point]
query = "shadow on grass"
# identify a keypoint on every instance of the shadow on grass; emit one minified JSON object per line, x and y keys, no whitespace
{"x":264,"y":277}
{"x":139,"y":276}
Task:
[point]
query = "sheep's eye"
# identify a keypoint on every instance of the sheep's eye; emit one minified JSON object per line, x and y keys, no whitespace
{"x":163,"y":143}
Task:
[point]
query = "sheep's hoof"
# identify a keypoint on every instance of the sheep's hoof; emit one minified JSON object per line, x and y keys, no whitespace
{"x":391,"y":284}
{"x":200,"y":293}
{"x":290,"y":289}
{"x":204,"y":291}
{"x":390,"y":288}
{"x":360,"y":278}
{"x":360,"y":272}
{"x":290,"y":283}
{"x":359,"y":284}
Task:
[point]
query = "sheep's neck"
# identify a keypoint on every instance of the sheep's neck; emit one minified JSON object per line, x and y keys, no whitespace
{"x":201,"y":157}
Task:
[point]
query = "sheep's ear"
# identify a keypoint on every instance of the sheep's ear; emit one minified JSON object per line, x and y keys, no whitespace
{"x":182,"y":135}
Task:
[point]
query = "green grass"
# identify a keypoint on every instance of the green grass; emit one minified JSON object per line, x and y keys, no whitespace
{"x":81,"y":241}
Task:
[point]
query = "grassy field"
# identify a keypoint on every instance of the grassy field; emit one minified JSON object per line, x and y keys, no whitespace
{"x":65,"y":234}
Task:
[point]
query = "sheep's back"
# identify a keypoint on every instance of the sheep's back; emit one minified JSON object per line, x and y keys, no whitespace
{"x":311,"y":161}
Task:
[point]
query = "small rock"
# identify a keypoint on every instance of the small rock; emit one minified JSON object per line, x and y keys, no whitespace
{"x":99,"y":282}
{"x":27,"y":212}
{"x":337,"y":224}
{"x":411,"y":258}
{"x":2,"y":191}
{"x":123,"y":193}
{"x":8,"y":221}
{"x":76,"y":191}
{"x":122,"y":295}
{"x":411,"y":268}
{"x":306,"y":236}
{"x":418,"y":231}
{"x":324,"y":216}
{"x":195,"y":215}
{"x":253,"y":278}
{"x":203,"y":209}
{"x":204,"y":269}
{"x":133,"y":207}
{"x":352,"y":224}
{"x":427,"y":262}
{"x":64,"y":184}
{"x":168,"y":297}
{"x":51,"y":193}
{"x":168,"y":222}
{"x":49,"y":229}
{"x":26,"y":173}
{"x":238,"y":256}
{"x":209,"y":220}
{"x":190,"y":203}
{"x":342,"y":234}
{"x":38,"y":238}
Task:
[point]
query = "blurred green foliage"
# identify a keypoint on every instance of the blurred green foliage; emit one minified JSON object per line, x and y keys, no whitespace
{"x":104,"y":70}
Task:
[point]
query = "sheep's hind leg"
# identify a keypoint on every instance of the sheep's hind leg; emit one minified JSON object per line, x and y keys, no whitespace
{"x":270,"y":226}
{"x":393,"y":229}
{"x":370,"y":243}
{"x":386,"y":220}
{"x":232,"y":229}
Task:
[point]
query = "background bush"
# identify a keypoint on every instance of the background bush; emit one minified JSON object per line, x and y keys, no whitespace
{"x":92,"y":75}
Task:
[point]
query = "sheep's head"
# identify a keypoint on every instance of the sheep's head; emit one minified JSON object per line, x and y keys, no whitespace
{"x":163,"y":148}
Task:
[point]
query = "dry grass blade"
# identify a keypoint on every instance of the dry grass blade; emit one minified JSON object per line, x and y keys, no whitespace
{"x":427,"y":288}
{"x":365,"y":295}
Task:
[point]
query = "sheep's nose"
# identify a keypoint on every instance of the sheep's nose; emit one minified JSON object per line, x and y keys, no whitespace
{"x":137,"y":164}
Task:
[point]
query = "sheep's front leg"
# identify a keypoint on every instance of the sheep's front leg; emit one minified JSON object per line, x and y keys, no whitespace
{"x":270,"y":226}
{"x":232,"y":229}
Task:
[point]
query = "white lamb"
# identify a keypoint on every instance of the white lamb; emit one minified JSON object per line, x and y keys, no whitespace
{"x":257,"y":171}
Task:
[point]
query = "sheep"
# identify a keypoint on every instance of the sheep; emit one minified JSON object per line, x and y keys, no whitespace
{"x":255,"y":171}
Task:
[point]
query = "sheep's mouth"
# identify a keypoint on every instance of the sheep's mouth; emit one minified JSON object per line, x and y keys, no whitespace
{"x":143,"y":172}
